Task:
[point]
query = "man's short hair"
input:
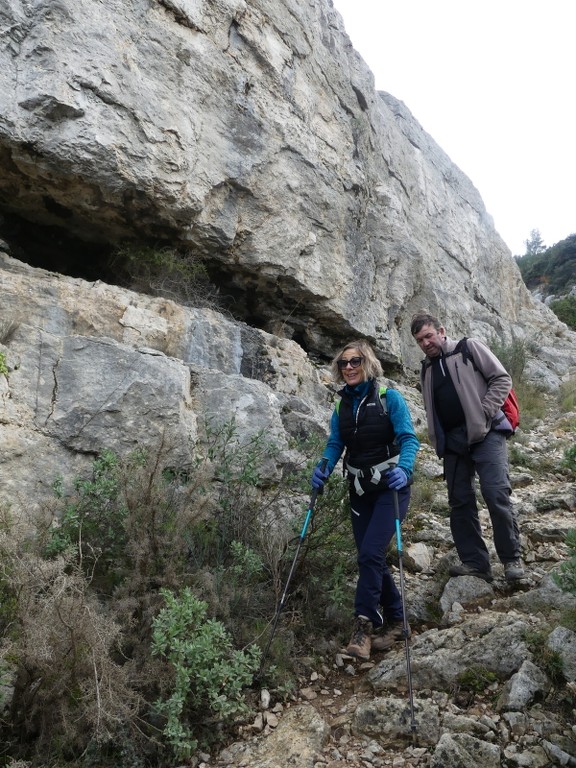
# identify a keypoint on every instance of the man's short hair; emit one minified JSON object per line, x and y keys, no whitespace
{"x":422,"y":318}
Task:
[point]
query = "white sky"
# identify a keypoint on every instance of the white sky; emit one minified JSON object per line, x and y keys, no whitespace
{"x":494,"y":84}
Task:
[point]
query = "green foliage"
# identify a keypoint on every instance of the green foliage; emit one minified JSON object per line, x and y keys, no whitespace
{"x":532,"y":400}
{"x":167,"y":272}
{"x":565,"y":576}
{"x":550,"y":661}
{"x":133,"y":529}
{"x":518,"y":457}
{"x":530,"y":397}
{"x":3,"y":366}
{"x":476,"y":679}
{"x":240,"y":508}
{"x":209,"y":675}
{"x":569,"y":459}
{"x":534,"y":244}
{"x":552,"y":271}
{"x":512,"y":356}
{"x":567,"y":395}
{"x":93,"y":518}
{"x":565,"y":310}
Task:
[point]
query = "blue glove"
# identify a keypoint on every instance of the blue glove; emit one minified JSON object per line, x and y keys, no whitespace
{"x":396,"y":478}
{"x":319,"y":478}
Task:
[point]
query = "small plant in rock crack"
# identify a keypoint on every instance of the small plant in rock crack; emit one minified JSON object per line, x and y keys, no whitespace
{"x":569,"y":460}
{"x":549,"y":660}
{"x":476,"y":679}
{"x":209,"y":675}
{"x":565,"y":576}
{"x":7,"y":330}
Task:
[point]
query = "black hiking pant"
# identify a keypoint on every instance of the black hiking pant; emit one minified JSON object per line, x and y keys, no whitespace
{"x":489,"y":460}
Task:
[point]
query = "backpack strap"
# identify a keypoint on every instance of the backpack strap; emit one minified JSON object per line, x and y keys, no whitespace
{"x":464,"y":349}
{"x":383,"y":404}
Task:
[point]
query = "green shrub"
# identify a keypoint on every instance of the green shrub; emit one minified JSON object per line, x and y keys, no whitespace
{"x":209,"y":675}
{"x":166,"y":272}
{"x":225,"y":528}
{"x":549,"y":660}
{"x":92,"y":520}
{"x":565,"y":576}
{"x":512,"y":356}
{"x":567,"y":395}
{"x":476,"y":679}
{"x":569,"y":460}
{"x":531,"y":398}
{"x":3,"y":366}
{"x":565,"y":310}
{"x":533,"y":402}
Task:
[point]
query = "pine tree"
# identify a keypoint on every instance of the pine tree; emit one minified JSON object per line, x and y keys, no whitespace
{"x":534,"y":244}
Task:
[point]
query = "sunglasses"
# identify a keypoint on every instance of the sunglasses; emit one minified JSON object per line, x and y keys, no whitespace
{"x":355,"y":362}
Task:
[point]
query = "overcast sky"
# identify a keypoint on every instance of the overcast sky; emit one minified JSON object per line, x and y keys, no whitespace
{"x":494,"y":84}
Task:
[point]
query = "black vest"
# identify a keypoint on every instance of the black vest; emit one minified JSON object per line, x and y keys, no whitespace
{"x":368,"y":436}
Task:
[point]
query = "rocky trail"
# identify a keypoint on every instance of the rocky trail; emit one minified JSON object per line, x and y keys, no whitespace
{"x":493,"y":666}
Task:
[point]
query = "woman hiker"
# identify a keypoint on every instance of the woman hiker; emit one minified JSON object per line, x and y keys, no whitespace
{"x":374,"y":425}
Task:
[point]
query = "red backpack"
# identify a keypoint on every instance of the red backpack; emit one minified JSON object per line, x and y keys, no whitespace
{"x":510,"y":406}
{"x":511,"y":410}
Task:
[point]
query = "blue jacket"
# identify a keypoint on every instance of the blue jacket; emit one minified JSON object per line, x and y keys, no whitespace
{"x":399,"y":415}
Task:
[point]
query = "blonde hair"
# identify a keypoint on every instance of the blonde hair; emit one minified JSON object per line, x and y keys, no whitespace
{"x":371,"y":366}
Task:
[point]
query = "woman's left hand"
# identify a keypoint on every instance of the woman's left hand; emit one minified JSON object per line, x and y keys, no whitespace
{"x":396,"y":478}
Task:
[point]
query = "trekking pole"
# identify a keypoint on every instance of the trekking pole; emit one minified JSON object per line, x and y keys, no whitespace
{"x":405,"y":629}
{"x":307,"y":520}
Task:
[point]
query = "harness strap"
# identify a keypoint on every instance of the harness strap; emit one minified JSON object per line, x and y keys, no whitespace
{"x":375,"y":471}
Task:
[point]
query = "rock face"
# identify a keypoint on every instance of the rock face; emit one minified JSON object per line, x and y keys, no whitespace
{"x":251,"y":134}
{"x":92,"y":367}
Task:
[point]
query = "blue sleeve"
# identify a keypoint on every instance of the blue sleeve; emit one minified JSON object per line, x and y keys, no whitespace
{"x":404,"y":430}
{"x":335,"y":445}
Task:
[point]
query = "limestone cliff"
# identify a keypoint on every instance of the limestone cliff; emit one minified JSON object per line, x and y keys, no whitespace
{"x":251,"y":133}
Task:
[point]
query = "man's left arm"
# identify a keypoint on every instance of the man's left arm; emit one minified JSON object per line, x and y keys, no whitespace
{"x":497,"y":378}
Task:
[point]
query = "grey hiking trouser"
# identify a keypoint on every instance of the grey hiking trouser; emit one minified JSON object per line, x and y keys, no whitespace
{"x":489,"y":460}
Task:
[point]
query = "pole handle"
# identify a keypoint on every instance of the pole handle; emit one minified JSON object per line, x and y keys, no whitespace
{"x":316,"y":491}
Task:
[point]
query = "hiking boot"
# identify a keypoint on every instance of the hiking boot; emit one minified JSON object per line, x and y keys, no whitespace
{"x":514,"y":570}
{"x":361,"y":640}
{"x":392,"y":632}
{"x":468,"y":570}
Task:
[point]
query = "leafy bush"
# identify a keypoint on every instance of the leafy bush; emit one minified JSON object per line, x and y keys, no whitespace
{"x":565,"y":576}
{"x":62,"y":652}
{"x":567,"y":395}
{"x":221,"y":533}
{"x":530,"y":397}
{"x":3,"y":366}
{"x":533,"y":402}
{"x":476,"y":679}
{"x":549,"y":660}
{"x":209,"y":674}
{"x":512,"y":356}
{"x":166,"y":272}
{"x":565,"y":310}
{"x":93,"y":518}
{"x":95,"y":574}
{"x":569,"y":460}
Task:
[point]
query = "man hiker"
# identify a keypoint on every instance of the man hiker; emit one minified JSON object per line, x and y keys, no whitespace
{"x":464,"y":386}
